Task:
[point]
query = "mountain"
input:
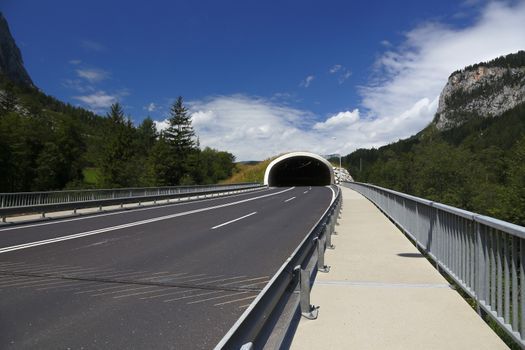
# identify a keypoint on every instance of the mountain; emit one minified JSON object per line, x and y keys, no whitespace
{"x":485,"y":89}
{"x":46,"y":144}
{"x":472,"y":155}
{"x":11,"y":63}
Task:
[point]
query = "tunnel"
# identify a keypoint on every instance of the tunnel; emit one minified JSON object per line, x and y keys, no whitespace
{"x":299,"y":169}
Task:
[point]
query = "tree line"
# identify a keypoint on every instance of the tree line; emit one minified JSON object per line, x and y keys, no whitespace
{"x":478,"y":166}
{"x":49,"y":145}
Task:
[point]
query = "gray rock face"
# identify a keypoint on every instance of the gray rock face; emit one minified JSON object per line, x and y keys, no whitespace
{"x":11,"y":63}
{"x":480,"y":92}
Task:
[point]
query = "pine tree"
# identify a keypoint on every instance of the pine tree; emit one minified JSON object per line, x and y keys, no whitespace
{"x":116,"y":161}
{"x":180,"y":134}
{"x":180,"y":138}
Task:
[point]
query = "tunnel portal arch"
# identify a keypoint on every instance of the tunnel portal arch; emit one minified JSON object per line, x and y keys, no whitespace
{"x":299,"y":169}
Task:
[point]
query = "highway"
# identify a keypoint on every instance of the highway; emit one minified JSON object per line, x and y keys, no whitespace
{"x":167,"y":277}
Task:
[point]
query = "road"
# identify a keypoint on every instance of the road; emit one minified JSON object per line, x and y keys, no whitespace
{"x":168,"y":277}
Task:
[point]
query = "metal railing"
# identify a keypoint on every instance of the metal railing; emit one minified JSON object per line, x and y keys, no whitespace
{"x":41,"y":202}
{"x":483,"y":255}
{"x":268,"y":322}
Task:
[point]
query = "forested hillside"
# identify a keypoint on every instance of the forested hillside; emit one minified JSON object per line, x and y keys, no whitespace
{"x":46,"y":144}
{"x":478,"y":165}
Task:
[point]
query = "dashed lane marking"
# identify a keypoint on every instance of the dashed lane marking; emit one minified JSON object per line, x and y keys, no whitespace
{"x":234,"y":220}
{"x":132,"y":224}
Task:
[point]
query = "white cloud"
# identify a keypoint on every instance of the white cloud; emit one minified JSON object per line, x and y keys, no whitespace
{"x":343,"y":72}
{"x":98,"y":100}
{"x":397,"y":103}
{"x":341,"y":119}
{"x":307,"y":81}
{"x":92,"y":75}
{"x":75,"y":62}
{"x":152,"y":107}
{"x":344,"y":76}
{"x":409,"y":78}
{"x":335,"y":68}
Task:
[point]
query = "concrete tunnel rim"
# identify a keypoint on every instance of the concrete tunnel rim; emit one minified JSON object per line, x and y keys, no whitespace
{"x":298,"y":154}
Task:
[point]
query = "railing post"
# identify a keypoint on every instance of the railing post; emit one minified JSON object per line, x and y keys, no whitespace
{"x":328,"y":236}
{"x":307,"y":310}
{"x":321,"y":267}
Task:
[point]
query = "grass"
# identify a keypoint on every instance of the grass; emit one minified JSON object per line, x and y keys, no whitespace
{"x":248,"y":173}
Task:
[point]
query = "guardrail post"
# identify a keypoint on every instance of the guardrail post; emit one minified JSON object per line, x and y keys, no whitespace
{"x":307,"y":310}
{"x":321,"y":267}
{"x":328,"y":236}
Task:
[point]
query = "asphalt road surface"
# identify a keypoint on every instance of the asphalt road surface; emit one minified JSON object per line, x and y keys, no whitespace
{"x":168,"y":277}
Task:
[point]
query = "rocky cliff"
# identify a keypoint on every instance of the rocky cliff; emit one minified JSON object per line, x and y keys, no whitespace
{"x":11,"y":63}
{"x":482,"y":90}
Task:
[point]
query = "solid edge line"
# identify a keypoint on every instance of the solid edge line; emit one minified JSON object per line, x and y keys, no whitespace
{"x":289,"y":199}
{"x":136,"y":223}
{"x":21,"y":225}
{"x":234,"y":220}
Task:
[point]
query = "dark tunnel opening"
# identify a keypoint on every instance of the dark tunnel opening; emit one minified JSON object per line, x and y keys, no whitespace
{"x":299,"y":171}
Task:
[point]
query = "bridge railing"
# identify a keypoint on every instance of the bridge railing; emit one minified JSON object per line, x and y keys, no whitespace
{"x":269,"y":321}
{"x":41,"y":202}
{"x":483,"y":255}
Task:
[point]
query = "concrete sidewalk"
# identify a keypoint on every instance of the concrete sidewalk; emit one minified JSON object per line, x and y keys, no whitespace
{"x":381,"y":293}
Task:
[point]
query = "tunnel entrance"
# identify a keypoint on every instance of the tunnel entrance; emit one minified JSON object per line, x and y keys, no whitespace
{"x":299,"y":169}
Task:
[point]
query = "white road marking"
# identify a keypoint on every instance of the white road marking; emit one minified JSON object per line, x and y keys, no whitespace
{"x":248,"y":280}
{"x":132,"y":224}
{"x":140,"y":293}
{"x":221,"y":280}
{"x":305,"y":192}
{"x":234,"y":220}
{"x":289,"y":199}
{"x":166,"y":294}
{"x":254,"y":284}
{"x":236,"y":300}
{"x":214,"y":298}
{"x":333,"y":194}
{"x":192,"y":296}
{"x":123,"y":290}
{"x":23,"y":281}
{"x":59,"y":221}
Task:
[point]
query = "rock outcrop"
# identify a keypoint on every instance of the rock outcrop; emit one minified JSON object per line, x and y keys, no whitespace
{"x":11,"y":63}
{"x":483,"y":90}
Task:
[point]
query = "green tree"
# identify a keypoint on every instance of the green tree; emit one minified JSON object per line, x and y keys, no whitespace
{"x":116,"y":159}
{"x":180,"y":138}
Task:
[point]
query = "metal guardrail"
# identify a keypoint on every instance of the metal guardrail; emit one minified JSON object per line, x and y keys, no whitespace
{"x":483,"y":255}
{"x":42,"y":202}
{"x":287,"y":296}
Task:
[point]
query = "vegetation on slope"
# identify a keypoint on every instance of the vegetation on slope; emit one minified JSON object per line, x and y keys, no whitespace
{"x":479,"y":166}
{"x":248,"y":172}
{"x":46,"y":144}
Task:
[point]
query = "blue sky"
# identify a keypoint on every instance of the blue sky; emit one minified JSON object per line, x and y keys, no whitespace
{"x":264,"y":77}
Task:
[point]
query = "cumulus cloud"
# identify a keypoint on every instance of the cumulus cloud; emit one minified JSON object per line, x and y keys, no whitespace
{"x":418,"y":69}
{"x":92,"y":75}
{"x":341,"y":119}
{"x":307,"y":81}
{"x":98,"y":100}
{"x":399,"y":100}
